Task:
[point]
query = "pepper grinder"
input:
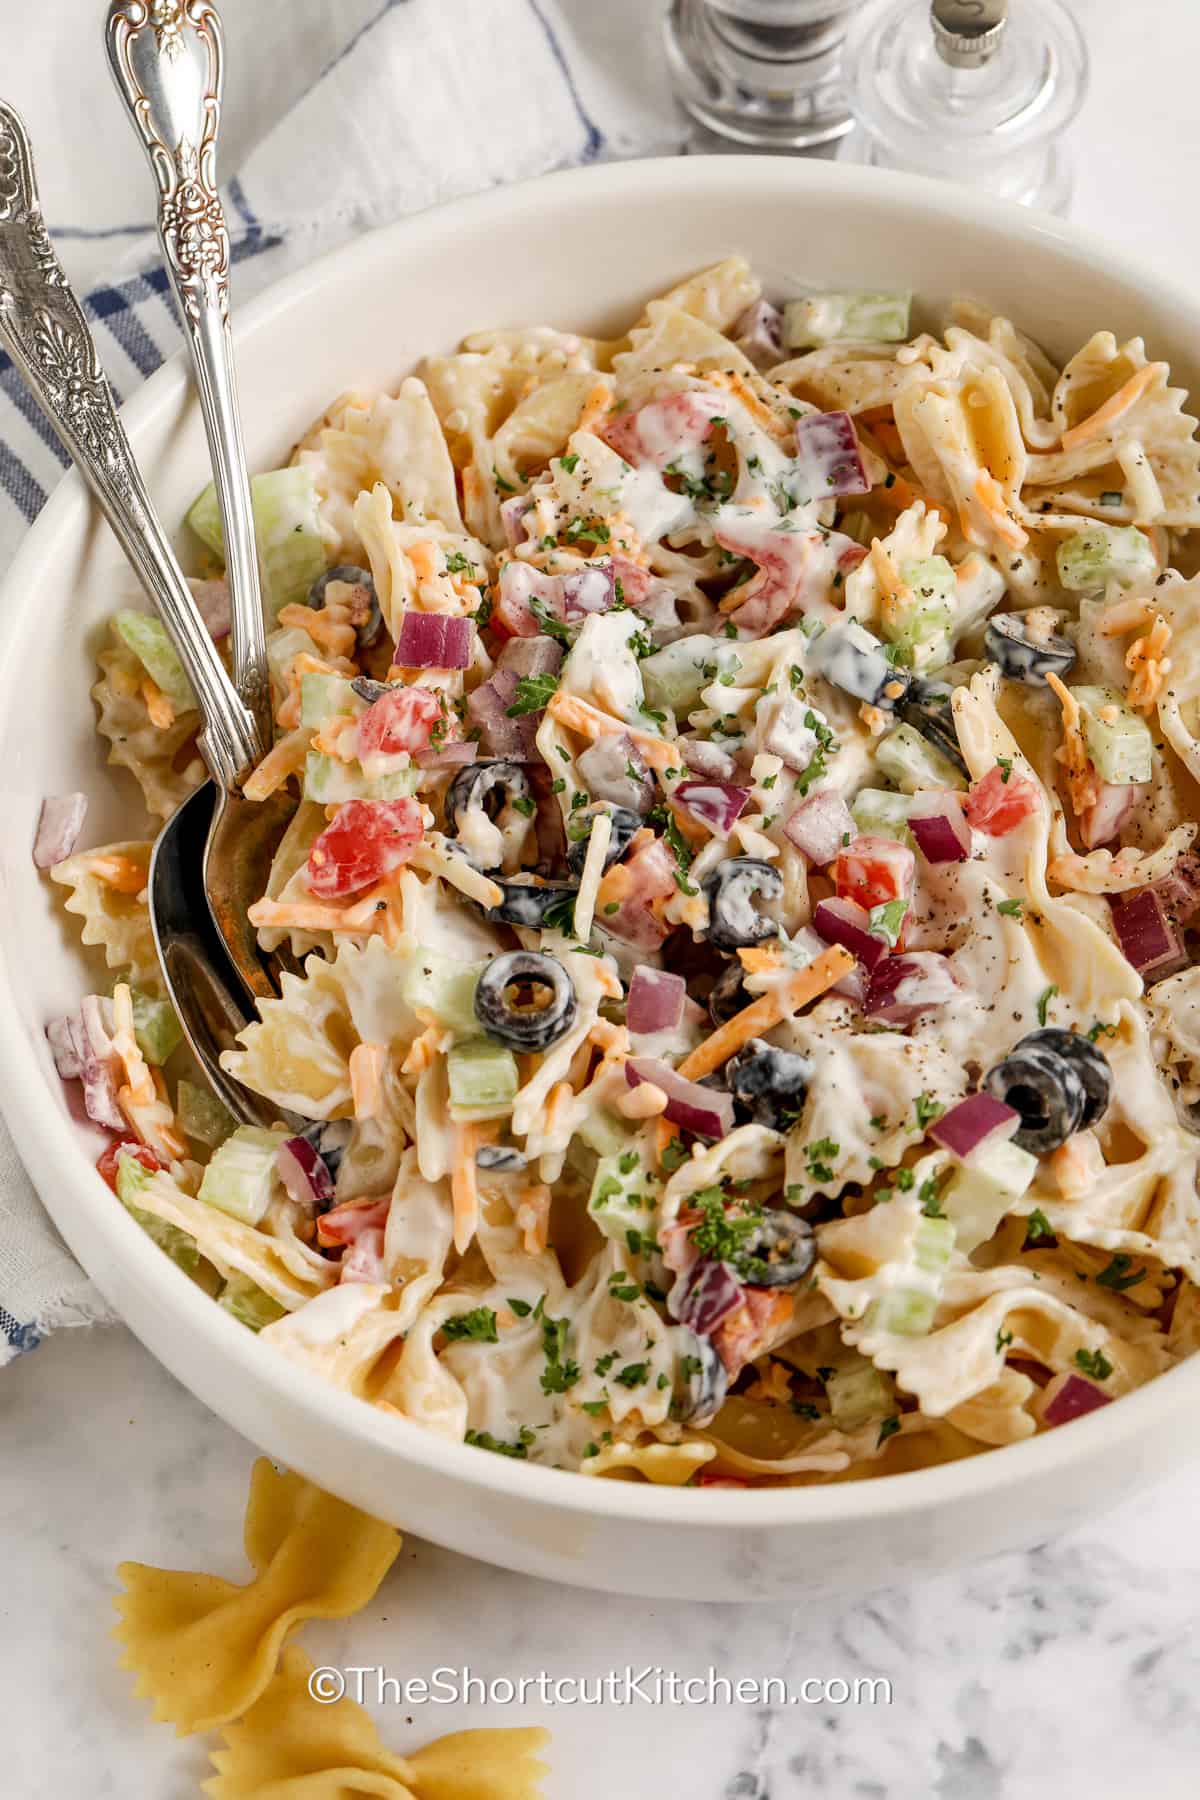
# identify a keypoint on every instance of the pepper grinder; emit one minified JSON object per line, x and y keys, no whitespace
{"x":977,"y":91}
{"x":762,"y":73}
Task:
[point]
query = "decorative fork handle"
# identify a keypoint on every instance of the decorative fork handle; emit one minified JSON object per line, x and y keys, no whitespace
{"x":44,"y":330}
{"x":167,"y":60}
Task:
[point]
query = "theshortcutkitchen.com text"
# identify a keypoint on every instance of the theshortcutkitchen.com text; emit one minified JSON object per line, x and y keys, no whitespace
{"x":630,"y":1686}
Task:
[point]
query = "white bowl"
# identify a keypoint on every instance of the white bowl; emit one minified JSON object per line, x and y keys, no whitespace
{"x":580,"y":250}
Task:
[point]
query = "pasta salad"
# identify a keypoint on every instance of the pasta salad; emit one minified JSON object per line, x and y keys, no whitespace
{"x":743,"y":1028}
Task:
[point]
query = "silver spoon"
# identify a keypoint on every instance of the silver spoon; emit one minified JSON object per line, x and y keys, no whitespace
{"x":45,"y":332}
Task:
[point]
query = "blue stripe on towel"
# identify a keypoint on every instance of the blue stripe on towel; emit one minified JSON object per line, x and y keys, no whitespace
{"x":595,"y":140}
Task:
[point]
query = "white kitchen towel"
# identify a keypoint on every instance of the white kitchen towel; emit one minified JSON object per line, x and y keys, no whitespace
{"x":381,"y":107}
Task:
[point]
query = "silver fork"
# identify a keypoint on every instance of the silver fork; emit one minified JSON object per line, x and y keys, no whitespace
{"x":167,"y":59}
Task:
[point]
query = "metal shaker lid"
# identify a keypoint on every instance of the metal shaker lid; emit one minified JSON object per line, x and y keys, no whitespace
{"x":968,"y":32}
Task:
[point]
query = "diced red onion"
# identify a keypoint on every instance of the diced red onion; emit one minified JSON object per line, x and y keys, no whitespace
{"x":649,"y":595}
{"x":940,"y":829}
{"x":818,"y":826}
{"x":1068,"y":1397}
{"x":363,"y":1261}
{"x":101,"y":1067}
{"x":539,"y":655}
{"x":1179,"y":890}
{"x":304,"y":1174}
{"x":845,"y":922}
{"x":68,"y":1046}
{"x":614,"y":769}
{"x":453,"y":755}
{"x":433,"y":641}
{"x":827,"y":449}
{"x":59,"y":825}
{"x":966,"y":1125}
{"x":1146,"y":935}
{"x":513,"y":514}
{"x":706,"y":1111}
{"x":901,"y":987}
{"x":655,"y":1001}
{"x":488,"y":707}
{"x":590,"y":590}
{"x":714,"y":803}
{"x":213,"y":604}
{"x":708,"y":759}
{"x":567,"y":598}
{"x":758,"y":333}
{"x":712,"y":1293}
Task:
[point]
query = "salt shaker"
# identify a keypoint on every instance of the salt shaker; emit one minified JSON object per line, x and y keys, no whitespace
{"x":763,"y":73}
{"x":977,"y":91}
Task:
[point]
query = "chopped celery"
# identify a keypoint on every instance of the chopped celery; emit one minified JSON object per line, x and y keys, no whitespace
{"x":878,"y":813}
{"x":241,"y":1175}
{"x":983,"y":1188}
{"x":322,"y":696}
{"x":909,"y":1312}
{"x":1088,"y":560}
{"x":933,"y":1242}
{"x":156,"y":1028}
{"x":920,"y":627}
{"x":180,"y":1246}
{"x":249,"y":1304}
{"x":287,"y":525}
{"x":674,"y":677}
{"x":859,"y":1392}
{"x":1118,"y":739}
{"x":913,"y":763}
{"x":436,"y":983}
{"x":148,"y":640}
{"x":618,"y":1202}
{"x":328,"y":782}
{"x":483,"y":1078}
{"x":603,"y":1132}
{"x":823,"y":318}
{"x":203,"y":1117}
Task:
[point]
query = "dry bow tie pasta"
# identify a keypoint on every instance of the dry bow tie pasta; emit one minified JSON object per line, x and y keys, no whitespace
{"x":746,"y":781}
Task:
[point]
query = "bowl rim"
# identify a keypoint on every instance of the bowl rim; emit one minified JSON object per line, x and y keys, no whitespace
{"x":59,"y":1164}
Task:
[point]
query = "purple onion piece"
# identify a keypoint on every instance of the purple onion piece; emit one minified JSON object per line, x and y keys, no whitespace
{"x":706,"y":1111}
{"x":707,"y":759}
{"x":845,"y":922}
{"x":513,"y":514}
{"x":819,"y":825}
{"x":1148,"y":938}
{"x":590,"y":590}
{"x":68,"y":1046}
{"x":974,"y":1119}
{"x":213,"y":604}
{"x":304,"y":1173}
{"x":711,"y":1294}
{"x":758,"y":333}
{"x":940,"y":828}
{"x":59,"y":825}
{"x":539,"y":655}
{"x":433,"y":641}
{"x":488,"y":708}
{"x":614,"y":769}
{"x":715,"y":804}
{"x":1072,"y":1400}
{"x":448,"y":756}
{"x":828,"y":452}
{"x":655,"y":1001}
{"x":902,"y":987}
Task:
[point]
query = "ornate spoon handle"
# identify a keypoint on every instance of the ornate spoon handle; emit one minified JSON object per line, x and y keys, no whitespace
{"x":45,"y":332}
{"x":167,"y":58}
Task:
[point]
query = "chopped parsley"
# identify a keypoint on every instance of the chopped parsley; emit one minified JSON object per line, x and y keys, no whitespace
{"x":887,"y":1429}
{"x":818,"y":1155}
{"x":525,"y":804}
{"x":560,"y":914}
{"x":595,"y":531}
{"x":504,"y":487}
{"x":926,"y":1110}
{"x":674,"y":1155}
{"x":1010,"y":908}
{"x":1117,"y":1277}
{"x":827,"y":745}
{"x":1003,"y":1340}
{"x":1037,"y":1225}
{"x":458,"y":564}
{"x":633,"y":1375}
{"x":887,"y":921}
{"x":677,"y":844}
{"x":930,"y":1199}
{"x":479,"y":1326}
{"x":532,"y":695}
{"x":521,"y":1308}
{"x":1044,"y":999}
{"x":483,"y":1440}
{"x":1098,"y":1030}
{"x":1004,"y":764}
{"x":1094,"y":1363}
{"x":560,"y":1372}
{"x":570,"y":462}
{"x":722,"y":1234}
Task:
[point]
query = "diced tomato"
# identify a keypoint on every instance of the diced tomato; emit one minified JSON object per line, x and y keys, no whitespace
{"x":704,"y":1479}
{"x":363,"y":1261}
{"x":874,"y":870}
{"x":663,"y":431}
{"x":347,"y":1223}
{"x":366,"y":841}
{"x":403,"y":719}
{"x":107,"y":1164}
{"x":1000,"y":802}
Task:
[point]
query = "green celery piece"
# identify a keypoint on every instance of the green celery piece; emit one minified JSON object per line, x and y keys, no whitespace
{"x":820,"y":319}
{"x":483,"y":1078}
{"x":920,"y":629}
{"x":156,"y":1028}
{"x":241,"y":1175}
{"x":857,"y":1393}
{"x":933,"y":1243}
{"x":249,"y":1304}
{"x":323,"y":696}
{"x":1121,"y":745}
{"x":202,"y":1116}
{"x":878,"y":813}
{"x":909,"y":1312}
{"x":618,"y":1201}
{"x":913,"y":763}
{"x":148,"y":640}
{"x":442,"y":985}
{"x":328,"y":782}
{"x":1088,"y":560}
{"x":287,"y":525}
{"x":983,"y":1189}
{"x":180,"y":1246}
{"x":673,"y":678}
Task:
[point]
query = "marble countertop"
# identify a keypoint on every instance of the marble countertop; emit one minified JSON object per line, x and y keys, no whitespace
{"x":1073,"y":1669}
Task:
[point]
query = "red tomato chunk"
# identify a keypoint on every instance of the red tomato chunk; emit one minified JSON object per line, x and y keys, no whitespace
{"x":366,"y":841}
{"x":107,"y":1164}
{"x":874,"y":870}
{"x":401,"y":720}
{"x":1000,"y":802}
